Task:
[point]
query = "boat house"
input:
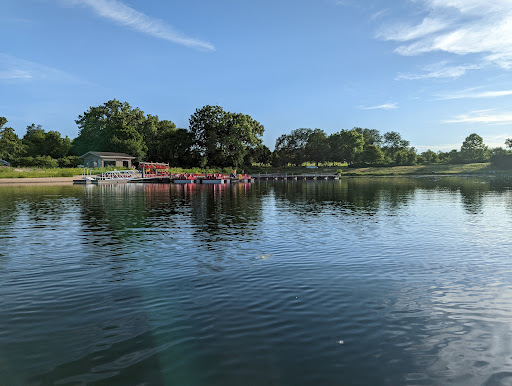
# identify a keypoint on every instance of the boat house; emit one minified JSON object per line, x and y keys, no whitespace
{"x":101,"y":159}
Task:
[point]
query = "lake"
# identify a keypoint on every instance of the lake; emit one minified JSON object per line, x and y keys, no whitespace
{"x":367,"y":281}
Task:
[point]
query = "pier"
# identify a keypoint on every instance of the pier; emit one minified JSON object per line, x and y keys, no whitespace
{"x":294,"y":177}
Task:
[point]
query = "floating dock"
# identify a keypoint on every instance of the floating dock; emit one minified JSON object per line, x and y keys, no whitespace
{"x":292,"y":177}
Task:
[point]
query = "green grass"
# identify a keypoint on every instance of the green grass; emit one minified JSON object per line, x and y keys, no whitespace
{"x":50,"y":172}
{"x":475,"y":168}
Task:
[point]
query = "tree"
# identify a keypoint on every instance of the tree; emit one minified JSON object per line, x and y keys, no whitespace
{"x":430,"y":157}
{"x":126,"y":139}
{"x":263,"y":155}
{"x":394,"y":143}
{"x":473,"y":149}
{"x":291,"y":148}
{"x":111,"y":126}
{"x":11,"y":146}
{"x":370,"y":136}
{"x":223,"y":138}
{"x":372,"y":155}
{"x":317,"y":147}
{"x":346,"y":145}
{"x":56,"y":146}
{"x":34,"y":141}
{"x":508,"y":143}
{"x":174,"y":146}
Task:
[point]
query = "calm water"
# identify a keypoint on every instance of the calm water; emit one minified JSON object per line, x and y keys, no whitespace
{"x":362,"y":281}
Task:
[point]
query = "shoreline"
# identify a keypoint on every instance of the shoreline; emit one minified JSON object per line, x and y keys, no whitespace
{"x":38,"y":180}
{"x":69,"y":180}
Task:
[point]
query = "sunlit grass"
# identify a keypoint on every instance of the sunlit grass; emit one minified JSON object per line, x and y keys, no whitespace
{"x":50,"y":172}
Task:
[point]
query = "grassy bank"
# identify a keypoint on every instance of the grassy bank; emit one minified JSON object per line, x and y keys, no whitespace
{"x":476,"y":168}
{"x":40,"y":173}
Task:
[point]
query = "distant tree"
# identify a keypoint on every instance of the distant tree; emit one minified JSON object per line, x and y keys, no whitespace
{"x":430,"y":157}
{"x":34,"y":141}
{"x":508,"y":143}
{"x":346,"y":145}
{"x":56,"y":146}
{"x":260,"y":154}
{"x":38,"y":142}
{"x":372,"y":155}
{"x":291,"y":148}
{"x":473,"y":149}
{"x":501,"y":157}
{"x":393,"y":143}
{"x":126,"y":139}
{"x":370,"y":136}
{"x":175,"y":146}
{"x":11,"y":146}
{"x":317,"y":147}
{"x":223,"y":138}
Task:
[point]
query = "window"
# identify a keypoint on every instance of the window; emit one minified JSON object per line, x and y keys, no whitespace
{"x":126,"y":164}
{"x":109,"y":163}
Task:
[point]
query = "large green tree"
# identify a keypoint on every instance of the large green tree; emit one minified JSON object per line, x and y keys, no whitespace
{"x":291,"y":148}
{"x":346,"y":145}
{"x":317,"y":147}
{"x":396,"y":148}
{"x":113,"y":126}
{"x":11,"y":146}
{"x":473,"y":149}
{"x":223,"y":138}
{"x":38,"y":142}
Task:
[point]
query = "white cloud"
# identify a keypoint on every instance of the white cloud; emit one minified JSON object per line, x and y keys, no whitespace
{"x":482,"y":116}
{"x":459,"y":27}
{"x":386,"y":106}
{"x":404,"y":33}
{"x":15,"y":69}
{"x":439,"y":70}
{"x":13,"y":73}
{"x":124,"y":15}
{"x":472,"y":93}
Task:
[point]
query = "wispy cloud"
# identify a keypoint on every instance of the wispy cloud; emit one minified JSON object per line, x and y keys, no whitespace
{"x":125,"y":15}
{"x":386,"y":106}
{"x":439,"y":70}
{"x":472,"y":93}
{"x":458,"y":27}
{"x":482,"y":116}
{"x":16,"y":69}
{"x":13,"y":73}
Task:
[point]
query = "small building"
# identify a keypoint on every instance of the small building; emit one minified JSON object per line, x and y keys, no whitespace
{"x":101,"y":159}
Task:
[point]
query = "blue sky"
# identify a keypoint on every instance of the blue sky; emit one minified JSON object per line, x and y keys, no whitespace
{"x":433,"y":70}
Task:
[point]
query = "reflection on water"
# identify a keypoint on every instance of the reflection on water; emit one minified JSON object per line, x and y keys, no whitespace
{"x":258,"y":284}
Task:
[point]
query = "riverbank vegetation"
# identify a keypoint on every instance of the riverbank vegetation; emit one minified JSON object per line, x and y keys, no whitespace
{"x":218,"y":140}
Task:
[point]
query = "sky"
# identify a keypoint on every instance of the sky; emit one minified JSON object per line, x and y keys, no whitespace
{"x":433,"y":70}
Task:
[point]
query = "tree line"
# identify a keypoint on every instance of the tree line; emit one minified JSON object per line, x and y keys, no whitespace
{"x":217,"y":138}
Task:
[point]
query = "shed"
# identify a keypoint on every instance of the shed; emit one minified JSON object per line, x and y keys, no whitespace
{"x":94,"y":159}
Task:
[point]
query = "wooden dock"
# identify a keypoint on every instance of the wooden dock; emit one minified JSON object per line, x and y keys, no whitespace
{"x":293,"y":177}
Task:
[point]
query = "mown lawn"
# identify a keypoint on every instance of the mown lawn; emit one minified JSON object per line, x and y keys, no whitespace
{"x":39,"y":173}
{"x":475,"y":168}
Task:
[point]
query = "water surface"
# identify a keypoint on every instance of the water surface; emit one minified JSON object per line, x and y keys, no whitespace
{"x":359,"y":281}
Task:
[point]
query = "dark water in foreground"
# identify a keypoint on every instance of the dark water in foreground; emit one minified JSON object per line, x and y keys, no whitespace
{"x":258,"y":284}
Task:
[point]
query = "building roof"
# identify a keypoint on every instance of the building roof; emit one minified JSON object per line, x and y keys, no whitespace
{"x":106,"y":154}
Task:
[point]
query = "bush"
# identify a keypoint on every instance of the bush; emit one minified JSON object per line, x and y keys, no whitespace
{"x":502,"y":160}
{"x":69,"y":162}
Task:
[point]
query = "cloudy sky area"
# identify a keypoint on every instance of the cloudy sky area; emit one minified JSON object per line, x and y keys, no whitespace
{"x":433,"y":70}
